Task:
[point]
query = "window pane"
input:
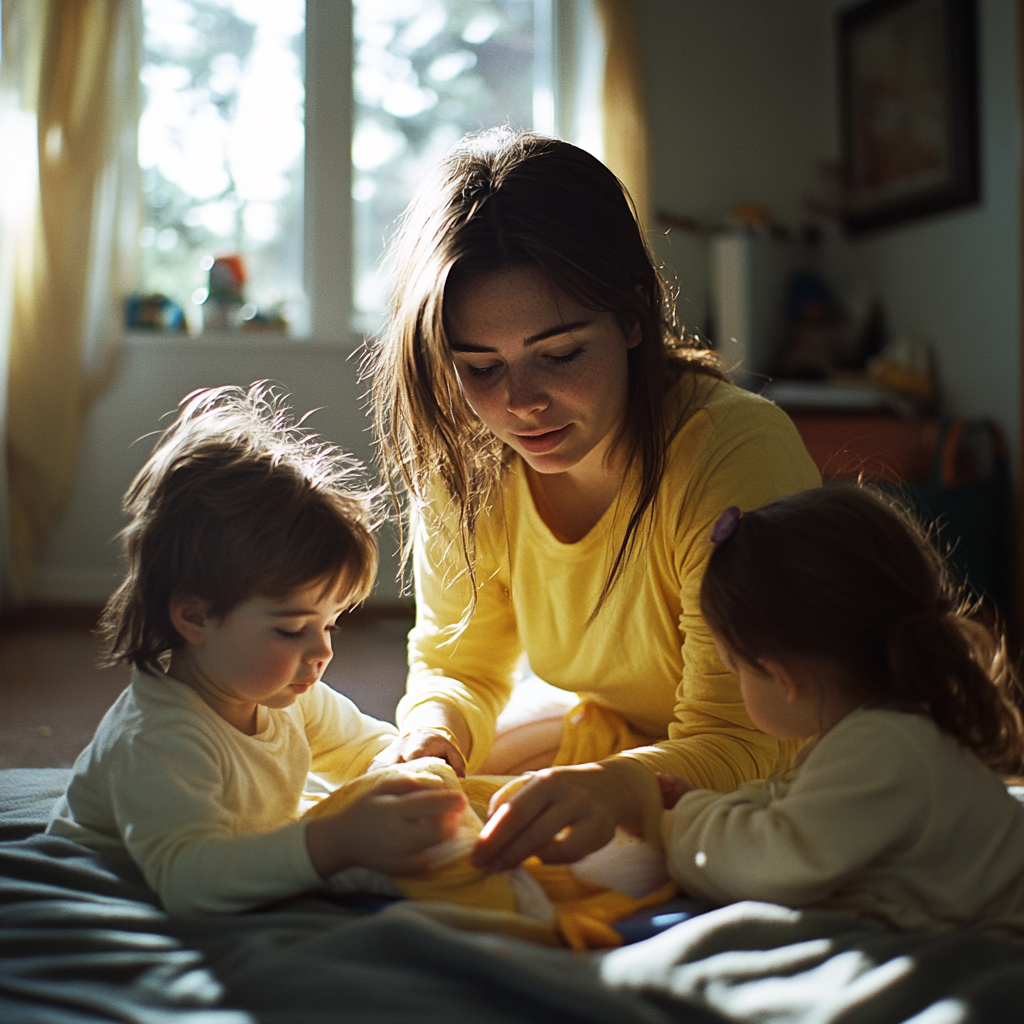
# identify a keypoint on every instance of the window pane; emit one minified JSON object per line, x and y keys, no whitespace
{"x":426,"y":72}
{"x":221,"y":148}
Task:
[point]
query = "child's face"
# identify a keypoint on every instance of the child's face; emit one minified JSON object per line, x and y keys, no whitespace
{"x":770,"y":697}
{"x":266,"y":650}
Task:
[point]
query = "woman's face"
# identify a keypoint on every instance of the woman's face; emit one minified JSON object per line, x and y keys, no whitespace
{"x":543,"y":373}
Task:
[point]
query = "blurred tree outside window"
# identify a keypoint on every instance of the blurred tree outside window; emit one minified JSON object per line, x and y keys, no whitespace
{"x":221,"y":138}
{"x":426,"y":72}
{"x":221,"y":149}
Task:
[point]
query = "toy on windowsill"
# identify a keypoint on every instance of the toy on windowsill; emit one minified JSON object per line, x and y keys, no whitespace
{"x":153,"y":312}
{"x":225,"y":297}
{"x":270,"y":320}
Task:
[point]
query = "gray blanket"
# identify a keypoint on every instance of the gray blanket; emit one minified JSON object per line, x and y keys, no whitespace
{"x":84,"y":940}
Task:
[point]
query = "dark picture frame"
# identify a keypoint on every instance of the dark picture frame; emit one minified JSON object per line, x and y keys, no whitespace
{"x":909,"y":95}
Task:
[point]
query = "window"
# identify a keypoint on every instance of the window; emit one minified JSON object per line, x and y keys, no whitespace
{"x":221,"y":149}
{"x":252,"y":107}
{"x":425,"y":74}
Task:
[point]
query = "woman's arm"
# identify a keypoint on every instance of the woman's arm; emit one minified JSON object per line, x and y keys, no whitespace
{"x":459,"y":681}
{"x":751,"y":455}
{"x":562,"y":814}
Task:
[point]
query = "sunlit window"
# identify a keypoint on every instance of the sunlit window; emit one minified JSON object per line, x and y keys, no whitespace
{"x":221,"y":138}
{"x":426,"y":72}
{"x":221,"y":150}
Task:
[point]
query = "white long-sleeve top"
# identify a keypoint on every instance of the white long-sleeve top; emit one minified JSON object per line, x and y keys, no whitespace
{"x":211,"y":815}
{"x":887,"y":818}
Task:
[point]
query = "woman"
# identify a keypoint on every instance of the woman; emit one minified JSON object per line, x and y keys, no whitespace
{"x":564,"y":453}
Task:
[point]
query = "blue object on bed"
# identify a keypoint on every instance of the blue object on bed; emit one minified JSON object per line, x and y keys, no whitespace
{"x":655,"y":920}
{"x":84,"y":940}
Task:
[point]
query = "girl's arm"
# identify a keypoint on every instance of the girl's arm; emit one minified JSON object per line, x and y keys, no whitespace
{"x":200,"y":855}
{"x":859,"y":793}
{"x":342,"y":740}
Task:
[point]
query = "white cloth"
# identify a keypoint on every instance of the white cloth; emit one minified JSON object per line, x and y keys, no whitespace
{"x":209,"y":814}
{"x":886,"y":817}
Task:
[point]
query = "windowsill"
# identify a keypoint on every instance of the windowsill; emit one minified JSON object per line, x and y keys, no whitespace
{"x":234,"y":340}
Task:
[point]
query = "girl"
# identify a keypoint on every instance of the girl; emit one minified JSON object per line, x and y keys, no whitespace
{"x":563,"y":449}
{"x":840,"y":621}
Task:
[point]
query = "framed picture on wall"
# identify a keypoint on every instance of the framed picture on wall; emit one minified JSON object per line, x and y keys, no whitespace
{"x":908,"y":87}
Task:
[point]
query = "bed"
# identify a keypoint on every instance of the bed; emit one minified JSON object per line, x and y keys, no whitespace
{"x":84,"y":940}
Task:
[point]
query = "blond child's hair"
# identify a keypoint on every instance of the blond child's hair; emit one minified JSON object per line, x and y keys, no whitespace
{"x":236,"y":501}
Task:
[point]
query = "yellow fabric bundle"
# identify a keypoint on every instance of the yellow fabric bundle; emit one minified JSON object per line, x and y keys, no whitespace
{"x":480,"y":900}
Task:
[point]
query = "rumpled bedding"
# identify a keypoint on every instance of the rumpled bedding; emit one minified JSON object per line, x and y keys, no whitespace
{"x":83,"y":940}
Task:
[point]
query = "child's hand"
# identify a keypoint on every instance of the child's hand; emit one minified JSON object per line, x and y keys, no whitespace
{"x":672,"y":788}
{"x":388,"y":829}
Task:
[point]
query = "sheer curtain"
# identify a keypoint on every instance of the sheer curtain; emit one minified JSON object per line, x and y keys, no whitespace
{"x":69,"y":111}
{"x":600,"y":105}
{"x":624,"y":128}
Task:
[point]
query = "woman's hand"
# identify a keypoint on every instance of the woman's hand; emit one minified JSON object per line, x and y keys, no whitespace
{"x":388,"y":829}
{"x":559,"y":814}
{"x":422,"y":743}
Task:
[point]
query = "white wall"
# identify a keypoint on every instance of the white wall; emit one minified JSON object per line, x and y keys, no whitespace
{"x":954,"y":277}
{"x":742,"y":98}
{"x":737,"y":115}
{"x":81,"y":562}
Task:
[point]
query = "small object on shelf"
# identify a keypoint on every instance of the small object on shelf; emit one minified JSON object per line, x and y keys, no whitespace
{"x":844,"y":395}
{"x":225,"y":296}
{"x":153,"y":312}
{"x":907,"y":365}
{"x":271,"y":320}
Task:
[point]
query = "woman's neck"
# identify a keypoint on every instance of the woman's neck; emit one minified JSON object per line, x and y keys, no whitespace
{"x":571,"y":504}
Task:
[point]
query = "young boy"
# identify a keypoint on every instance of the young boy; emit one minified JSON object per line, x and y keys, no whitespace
{"x":247,"y":540}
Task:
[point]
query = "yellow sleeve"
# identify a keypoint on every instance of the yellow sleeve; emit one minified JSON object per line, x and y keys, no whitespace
{"x":469,"y":671}
{"x":754,"y":456}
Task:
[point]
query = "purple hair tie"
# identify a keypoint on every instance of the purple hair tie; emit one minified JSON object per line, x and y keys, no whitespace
{"x":726,"y":525}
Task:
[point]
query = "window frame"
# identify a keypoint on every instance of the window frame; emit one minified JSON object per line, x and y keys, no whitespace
{"x":566,"y":34}
{"x":327,"y":181}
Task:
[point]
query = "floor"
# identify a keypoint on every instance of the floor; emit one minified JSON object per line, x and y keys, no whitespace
{"x":52,"y":695}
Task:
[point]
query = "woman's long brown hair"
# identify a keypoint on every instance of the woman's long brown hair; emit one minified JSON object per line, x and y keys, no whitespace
{"x":501,"y":200}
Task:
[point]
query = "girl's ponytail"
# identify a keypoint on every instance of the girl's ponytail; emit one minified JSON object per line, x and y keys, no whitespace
{"x":957,"y":668}
{"x":841,"y":576}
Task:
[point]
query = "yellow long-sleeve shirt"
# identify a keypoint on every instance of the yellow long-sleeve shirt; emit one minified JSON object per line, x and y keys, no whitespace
{"x":648,"y":656}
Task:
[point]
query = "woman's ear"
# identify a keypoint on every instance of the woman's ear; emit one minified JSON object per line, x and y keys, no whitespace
{"x":189,"y":615}
{"x":635,"y":334}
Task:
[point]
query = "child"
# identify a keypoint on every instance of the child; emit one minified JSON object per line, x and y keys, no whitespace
{"x":839,"y":620}
{"x":246,"y":542}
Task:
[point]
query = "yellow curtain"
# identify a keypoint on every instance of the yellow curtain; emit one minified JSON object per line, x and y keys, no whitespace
{"x":74,"y":65}
{"x":625,"y":116}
